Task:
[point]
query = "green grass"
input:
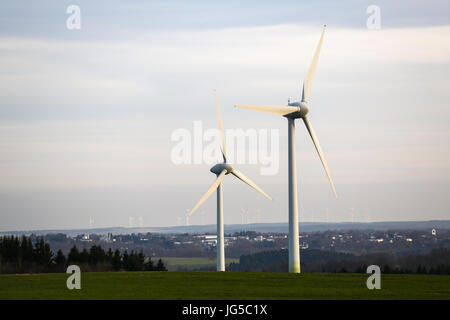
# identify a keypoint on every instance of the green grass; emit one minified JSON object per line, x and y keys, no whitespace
{"x":196,"y":263}
{"x":229,"y":285}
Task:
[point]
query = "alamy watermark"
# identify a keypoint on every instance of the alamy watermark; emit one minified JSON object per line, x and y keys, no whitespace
{"x":374,"y":281}
{"x":73,"y":22}
{"x":374,"y":20}
{"x":74,"y":281}
{"x":249,"y":146}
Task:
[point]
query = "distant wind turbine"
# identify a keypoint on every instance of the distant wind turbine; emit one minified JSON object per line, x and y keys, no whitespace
{"x":222,"y":169}
{"x":244,"y":216}
{"x":294,"y":111}
{"x":187,"y":217}
{"x":258,"y":215}
{"x":202,"y":214}
{"x":368,"y":215}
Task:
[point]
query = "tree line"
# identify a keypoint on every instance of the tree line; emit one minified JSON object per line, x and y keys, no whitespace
{"x":436,"y":261}
{"x":22,"y":255}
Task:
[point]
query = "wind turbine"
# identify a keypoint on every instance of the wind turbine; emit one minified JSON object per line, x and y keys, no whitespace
{"x":187,"y":217}
{"x":244,"y":216}
{"x":294,"y":111}
{"x":258,"y":215}
{"x":131,"y":222}
{"x":202,"y":214}
{"x":222,"y":169}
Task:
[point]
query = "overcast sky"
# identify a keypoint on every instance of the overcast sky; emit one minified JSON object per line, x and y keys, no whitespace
{"x":86,"y":116}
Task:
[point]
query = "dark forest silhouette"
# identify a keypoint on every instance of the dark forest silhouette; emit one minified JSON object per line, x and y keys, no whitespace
{"x":22,"y":255}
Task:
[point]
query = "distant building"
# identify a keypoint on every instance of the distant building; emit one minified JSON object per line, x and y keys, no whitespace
{"x":208,"y":239}
{"x":304,"y":245}
{"x":86,"y":238}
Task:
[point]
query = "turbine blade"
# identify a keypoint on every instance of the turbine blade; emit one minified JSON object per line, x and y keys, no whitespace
{"x":242,"y":177}
{"x":279,"y":110}
{"x":320,"y":152}
{"x":222,"y":134}
{"x":209,"y":192}
{"x":312,"y":69}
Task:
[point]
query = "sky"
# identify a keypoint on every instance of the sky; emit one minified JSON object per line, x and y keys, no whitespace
{"x":87,"y":116}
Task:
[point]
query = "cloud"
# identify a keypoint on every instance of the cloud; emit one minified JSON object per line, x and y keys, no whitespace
{"x":144,"y":72}
{"x":90,"y":113}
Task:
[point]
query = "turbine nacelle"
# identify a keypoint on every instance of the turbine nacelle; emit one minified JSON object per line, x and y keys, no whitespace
{"x":218,"y":168}
{"x":302,"y":110}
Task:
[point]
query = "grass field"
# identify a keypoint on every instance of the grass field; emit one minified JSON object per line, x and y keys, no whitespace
{"x":229,"y":285}
{"x":195,"y":263}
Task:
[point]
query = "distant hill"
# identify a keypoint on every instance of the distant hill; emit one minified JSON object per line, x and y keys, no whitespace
{"x":258,"y":227}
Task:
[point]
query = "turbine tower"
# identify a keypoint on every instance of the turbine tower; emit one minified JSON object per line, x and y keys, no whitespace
{"x":131,"y":222}
{"x":292,"y":111}
{"x":222,"y":169}
{"x":202,"y":214}
{"x":187,"y":217}
{"x":352,"y":214}
{"x":244,"y":216}
{"x":258,"y":215}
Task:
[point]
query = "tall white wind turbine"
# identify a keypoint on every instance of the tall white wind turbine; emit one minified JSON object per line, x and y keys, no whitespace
{"x":222,"y":169}
{"x":294,"y":111}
